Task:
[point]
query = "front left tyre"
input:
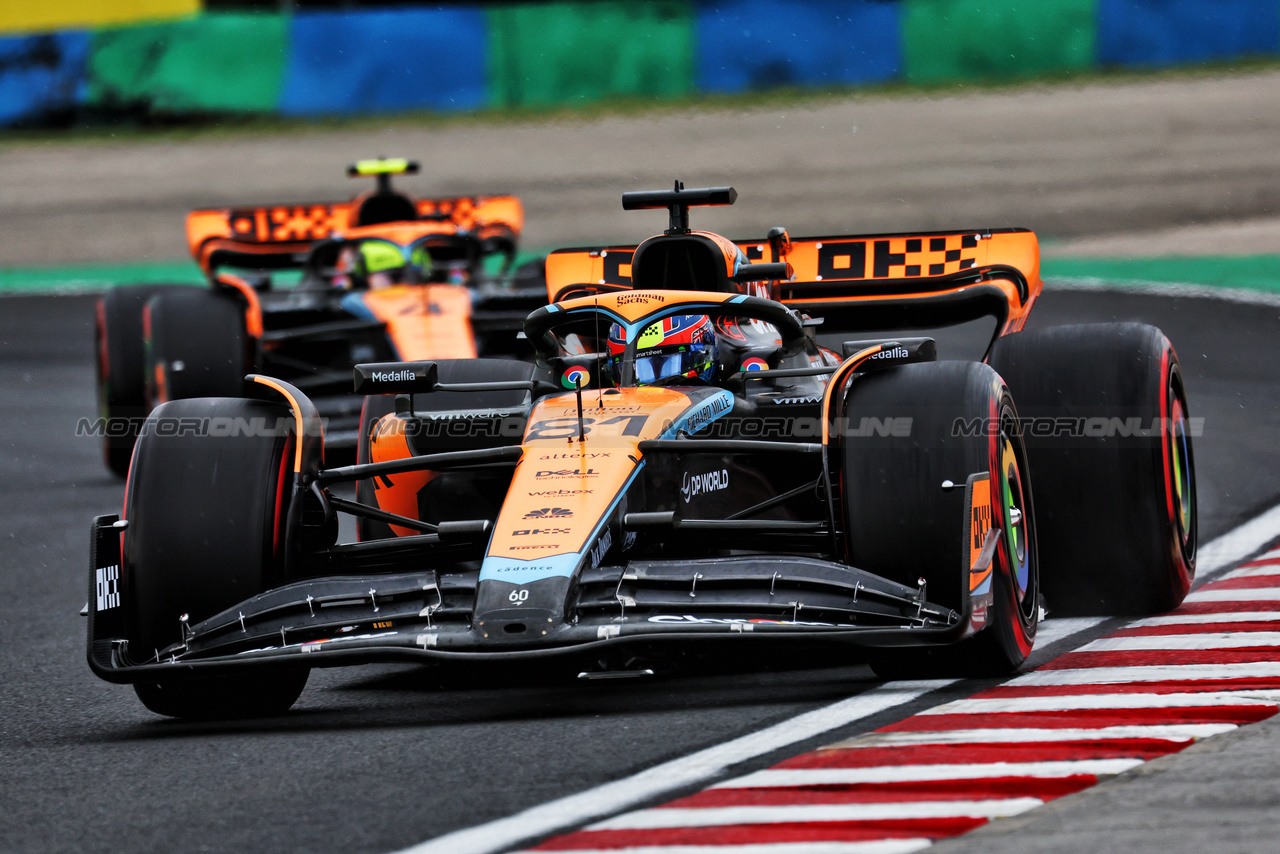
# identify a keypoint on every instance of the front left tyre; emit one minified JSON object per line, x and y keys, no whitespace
{"x":207,"y":504}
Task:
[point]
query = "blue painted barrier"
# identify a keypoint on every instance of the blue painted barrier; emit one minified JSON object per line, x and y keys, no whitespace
{"x":758,"y":44}
{"x":40,"y":75}
{"x":385,"y":61}
{"x":1170,"y":32}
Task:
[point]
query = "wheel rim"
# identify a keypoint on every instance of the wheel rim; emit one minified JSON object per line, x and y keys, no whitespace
{"x":1013,"y":500}
{"x":1182,"y":490}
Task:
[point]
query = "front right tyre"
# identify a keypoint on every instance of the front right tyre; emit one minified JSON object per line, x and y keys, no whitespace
{"x":904,"y":522}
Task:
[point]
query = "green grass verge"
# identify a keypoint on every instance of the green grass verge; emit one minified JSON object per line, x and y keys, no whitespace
{"x":1247,"y":272}
{"x":1244,"y":272}
{"x":92,"y":278}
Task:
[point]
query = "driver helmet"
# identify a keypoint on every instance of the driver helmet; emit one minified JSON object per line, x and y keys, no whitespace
{"x":669,"y":350}
{"x":379,"y":264}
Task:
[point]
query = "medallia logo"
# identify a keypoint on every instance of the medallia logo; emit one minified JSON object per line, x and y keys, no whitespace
{"x":401,"y":376}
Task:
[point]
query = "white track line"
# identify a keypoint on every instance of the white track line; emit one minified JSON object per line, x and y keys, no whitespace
{"x":1192,"y":619}
{"x":713,"y":816}
{"x":575,"y":810}
{"x":1235,"y":546}
{"x":1073,"y":702}
{"x":1238,"y":594}
{"x":1204,"y":640}
{"x":927,"y":773}
{"x":878,"y":846}
{"x":1052,"y":631}
{"x":1147,"y":673}
{"x":1254,"y":572}
{"x":1011,"y":735}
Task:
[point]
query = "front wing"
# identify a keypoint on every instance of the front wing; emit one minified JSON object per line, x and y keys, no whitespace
{"x":649,"y":607}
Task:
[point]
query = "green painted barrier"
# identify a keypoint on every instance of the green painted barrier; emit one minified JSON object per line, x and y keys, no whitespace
{"x":572,"y":53}
{"x":216,"y":63}
{"x":947,"y":40}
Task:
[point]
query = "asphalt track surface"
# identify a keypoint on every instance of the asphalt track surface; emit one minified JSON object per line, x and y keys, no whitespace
{"x":380,"y":758}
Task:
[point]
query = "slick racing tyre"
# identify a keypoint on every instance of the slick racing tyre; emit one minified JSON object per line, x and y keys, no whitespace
{"x":906,"y":516}
{"x":196,"y":345}
{"x":1108,"y":434}
{"x":121,"y":381}
{"x":206,"y":528}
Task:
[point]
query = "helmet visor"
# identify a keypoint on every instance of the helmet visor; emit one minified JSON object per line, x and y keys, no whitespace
{"x":689,"y":362}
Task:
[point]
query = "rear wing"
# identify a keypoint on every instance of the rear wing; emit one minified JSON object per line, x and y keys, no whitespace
{"x":866,"y":282}
{"x":279,"y":236}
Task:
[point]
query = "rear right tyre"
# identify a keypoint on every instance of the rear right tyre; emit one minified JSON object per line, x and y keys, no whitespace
{"x":1109,"y":436}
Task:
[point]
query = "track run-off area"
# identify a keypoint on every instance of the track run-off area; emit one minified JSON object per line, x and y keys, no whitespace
{"x":1156,"y":735}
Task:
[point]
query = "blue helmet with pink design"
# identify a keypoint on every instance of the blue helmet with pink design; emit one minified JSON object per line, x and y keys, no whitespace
{"x":669,"y":351}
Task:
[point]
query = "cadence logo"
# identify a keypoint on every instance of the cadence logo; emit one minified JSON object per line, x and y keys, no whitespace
{"x":698,"y":484}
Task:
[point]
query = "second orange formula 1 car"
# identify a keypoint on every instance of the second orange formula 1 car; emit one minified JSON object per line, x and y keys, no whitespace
{"x":384,"y":276}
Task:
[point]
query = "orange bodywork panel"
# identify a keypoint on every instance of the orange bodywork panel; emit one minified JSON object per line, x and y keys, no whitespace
{"x":426,"y":321}
{"x":851,"y":269}
{"x":398,"y":494}
{"x":633,"y":305}
{"x":980,"y":516}
{"x":554,"y":474}
{"x":286,"y":229}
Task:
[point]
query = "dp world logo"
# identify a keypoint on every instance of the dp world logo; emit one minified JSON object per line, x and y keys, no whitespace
{"x":549,"y":513}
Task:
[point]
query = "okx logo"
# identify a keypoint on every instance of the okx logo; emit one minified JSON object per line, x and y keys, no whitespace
{"x":549,"y":513}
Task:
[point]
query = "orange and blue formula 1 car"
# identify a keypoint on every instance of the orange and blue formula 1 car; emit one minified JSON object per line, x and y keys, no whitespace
{"x":381,"y":277}
{"x":683,"y":468}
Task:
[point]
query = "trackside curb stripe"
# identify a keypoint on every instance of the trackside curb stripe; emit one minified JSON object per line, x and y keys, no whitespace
{"x":670,"y":776}
{"x":976,"y":754}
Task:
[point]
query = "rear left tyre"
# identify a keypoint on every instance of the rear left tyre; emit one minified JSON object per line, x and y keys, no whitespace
{"x":119,"y":359}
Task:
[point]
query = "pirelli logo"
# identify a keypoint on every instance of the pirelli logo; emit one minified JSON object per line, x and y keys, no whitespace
{"x":896,"y":257}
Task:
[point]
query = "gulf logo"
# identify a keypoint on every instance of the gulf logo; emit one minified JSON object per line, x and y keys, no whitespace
{"x":755,"y":364}
{"x":574,"y":377}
